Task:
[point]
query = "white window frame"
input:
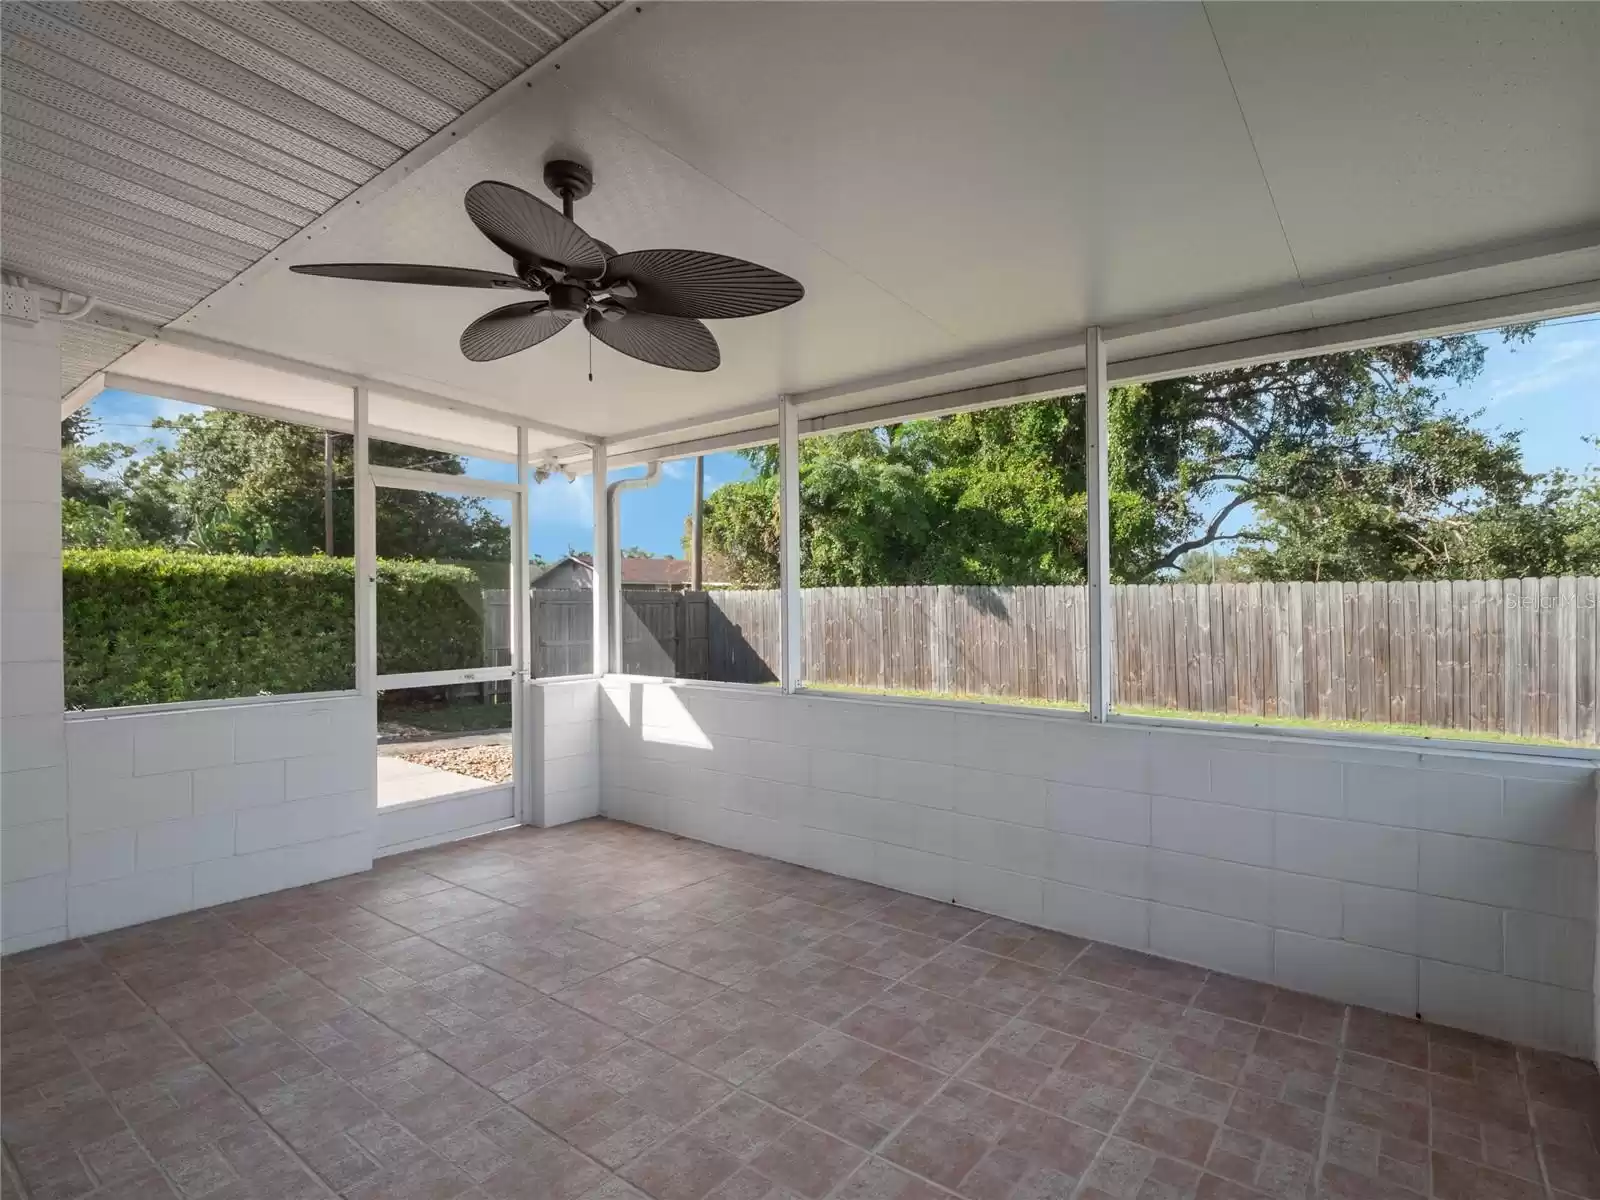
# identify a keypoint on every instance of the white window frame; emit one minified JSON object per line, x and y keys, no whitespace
{"x":1095,"y":380}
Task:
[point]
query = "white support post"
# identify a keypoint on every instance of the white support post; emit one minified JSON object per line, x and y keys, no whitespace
{"x":789,"y":613}
{"x":523,"y":711}
{"x":602,"y":562}
{"x":1102,"y":663}
{"x":366,"y":547}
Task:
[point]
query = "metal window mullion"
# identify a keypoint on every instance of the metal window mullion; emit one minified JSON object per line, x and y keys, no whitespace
{"x":523,"y":725}
{"x":449,"y":677}
{"x":366,"y":548}
{"x":603,"y":583}
{"x":409,"y":479}
{"x":1097,"y":471}
{"x":789,"y":542}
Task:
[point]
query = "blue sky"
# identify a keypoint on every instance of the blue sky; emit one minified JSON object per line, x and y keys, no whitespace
{"x":562,"y":510}
{"x":1548,"y":387}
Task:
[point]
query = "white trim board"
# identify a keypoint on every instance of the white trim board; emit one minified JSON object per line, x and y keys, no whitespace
{"x":757,"y":424}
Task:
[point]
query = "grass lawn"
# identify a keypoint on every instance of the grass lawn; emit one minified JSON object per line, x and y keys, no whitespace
{"x":455,"y":717}
{"x":1389,"y":728}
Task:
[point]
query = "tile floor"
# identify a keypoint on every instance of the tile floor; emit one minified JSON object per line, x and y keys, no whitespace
{"x":600,"y":1012}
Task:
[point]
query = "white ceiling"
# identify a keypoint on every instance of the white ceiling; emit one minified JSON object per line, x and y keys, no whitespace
{"x":949,"y":179}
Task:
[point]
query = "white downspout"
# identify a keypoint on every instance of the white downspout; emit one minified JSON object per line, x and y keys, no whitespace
{"x":651,"y":477}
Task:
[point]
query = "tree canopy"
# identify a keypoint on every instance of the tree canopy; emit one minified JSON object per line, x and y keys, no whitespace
{"x":229,"y":482}
{"x":1343,"y":466}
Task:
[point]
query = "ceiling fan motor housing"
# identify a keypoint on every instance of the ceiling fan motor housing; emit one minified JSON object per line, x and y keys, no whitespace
{"x":568,"y":299}
{"x":567,"y":179}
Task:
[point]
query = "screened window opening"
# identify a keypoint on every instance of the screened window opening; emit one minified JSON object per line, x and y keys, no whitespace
{"x":206,"y":554}
{"x":701,"y":604}
{"x":946,"y":557}
{"x":1397,"y":540}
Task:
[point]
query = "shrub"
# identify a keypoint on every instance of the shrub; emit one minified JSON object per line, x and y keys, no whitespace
{"x":157,"y":626}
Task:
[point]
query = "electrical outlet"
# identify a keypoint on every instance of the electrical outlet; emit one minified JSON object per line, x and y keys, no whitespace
{"x":20,"y":304}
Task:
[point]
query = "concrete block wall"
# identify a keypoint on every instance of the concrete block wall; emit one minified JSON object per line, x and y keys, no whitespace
{"x":565,"y":752}
{"x":1456,"y":883}
{"x":111,"y":818}
{"x":177,"y":809}
{"x":428,"y":823}
{"x":33,"y":772}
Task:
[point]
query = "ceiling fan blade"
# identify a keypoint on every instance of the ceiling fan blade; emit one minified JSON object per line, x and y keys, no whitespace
{"x":413,"y":273}
{"x":510,"y":329}
{"x":676,"y":342}
{"x":695,"y":283}
{"x":526,"y":227}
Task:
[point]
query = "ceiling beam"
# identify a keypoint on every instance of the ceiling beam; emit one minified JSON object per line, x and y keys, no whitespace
{"x":1467,"y":316}
{"x":1541,"y":304}
{"x":185,"y":340}
{"x":115,"y":381}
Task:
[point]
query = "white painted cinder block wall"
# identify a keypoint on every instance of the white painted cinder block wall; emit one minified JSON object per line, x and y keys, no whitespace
{"x":33,"y":764}
{"x":174,"y":810}
{"x":1456,"y":884}
{"x":566,"y":754}
{"x":111,"y":818}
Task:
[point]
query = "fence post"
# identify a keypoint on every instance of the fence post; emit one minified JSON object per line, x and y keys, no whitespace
{"x":1101,"y":663}
{"x":680,"y":634}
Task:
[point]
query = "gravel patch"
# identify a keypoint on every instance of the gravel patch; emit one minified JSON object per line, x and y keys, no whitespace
{"x":491,"y":763}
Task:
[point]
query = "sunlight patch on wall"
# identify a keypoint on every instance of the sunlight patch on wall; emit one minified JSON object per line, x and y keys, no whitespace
{"x":664,"y":719}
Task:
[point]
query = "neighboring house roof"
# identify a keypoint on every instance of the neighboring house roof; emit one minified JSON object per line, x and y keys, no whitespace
{"x":636,"y":572}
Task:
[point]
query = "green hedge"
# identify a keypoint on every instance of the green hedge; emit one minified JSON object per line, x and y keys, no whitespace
{"x":156,"y":626}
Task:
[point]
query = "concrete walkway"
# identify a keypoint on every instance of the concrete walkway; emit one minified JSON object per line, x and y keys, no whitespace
{"x":402,"y":782}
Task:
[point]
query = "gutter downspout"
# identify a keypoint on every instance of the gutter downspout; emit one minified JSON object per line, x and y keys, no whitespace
{"x":651,"y":477}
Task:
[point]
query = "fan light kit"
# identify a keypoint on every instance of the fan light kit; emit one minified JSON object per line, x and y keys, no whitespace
{"x":647,"y":304}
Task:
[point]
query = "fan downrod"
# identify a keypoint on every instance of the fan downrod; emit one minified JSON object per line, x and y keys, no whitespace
{"x":569,"y":180}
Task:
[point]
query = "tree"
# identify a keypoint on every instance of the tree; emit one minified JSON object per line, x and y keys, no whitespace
{"x":1342,"y":466}
{"x":1209,"y":566}
{"x":235,"y":483}
{"x":94,"y":510}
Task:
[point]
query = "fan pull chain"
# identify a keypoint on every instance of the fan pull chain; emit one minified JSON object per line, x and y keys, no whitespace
{"x":590,"y":332}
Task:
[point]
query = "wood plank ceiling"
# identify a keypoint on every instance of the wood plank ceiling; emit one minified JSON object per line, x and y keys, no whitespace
{"x":153,"y":151}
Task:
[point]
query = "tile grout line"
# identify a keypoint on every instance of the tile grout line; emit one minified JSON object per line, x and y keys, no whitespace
{"x":1143,"y":1079}
{"x":734,"y":1088}
{"x":1427,"y":1083}
{"x":791,"y":951}
{"x":13,"y":1175}
{"x":1328,"y":1105}
{"x":950,"y":1077}
{"x":350,"y":1006}
{"x":571,"y":924}
{"x":1083,"y":1180}
{"x":428,"y":1050}
{"x":257,"y":1116}
{"x":739,"y":1088}
{"x":1533,"y":1125}
{"x":1089,"y":945}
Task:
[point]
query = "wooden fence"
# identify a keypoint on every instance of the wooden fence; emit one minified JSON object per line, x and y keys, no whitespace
{"x":1518,"y":656}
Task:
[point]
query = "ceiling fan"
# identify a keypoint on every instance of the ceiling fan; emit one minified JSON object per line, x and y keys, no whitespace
{"x":647,"y":304}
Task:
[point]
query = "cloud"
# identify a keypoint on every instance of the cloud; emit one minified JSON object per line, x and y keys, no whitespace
{"x":1542,"y":369}
{"x":1547,"y":378}
{"x":1572,"y":348}
{"x":677,"y":468}
{"x":557,"y":501}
